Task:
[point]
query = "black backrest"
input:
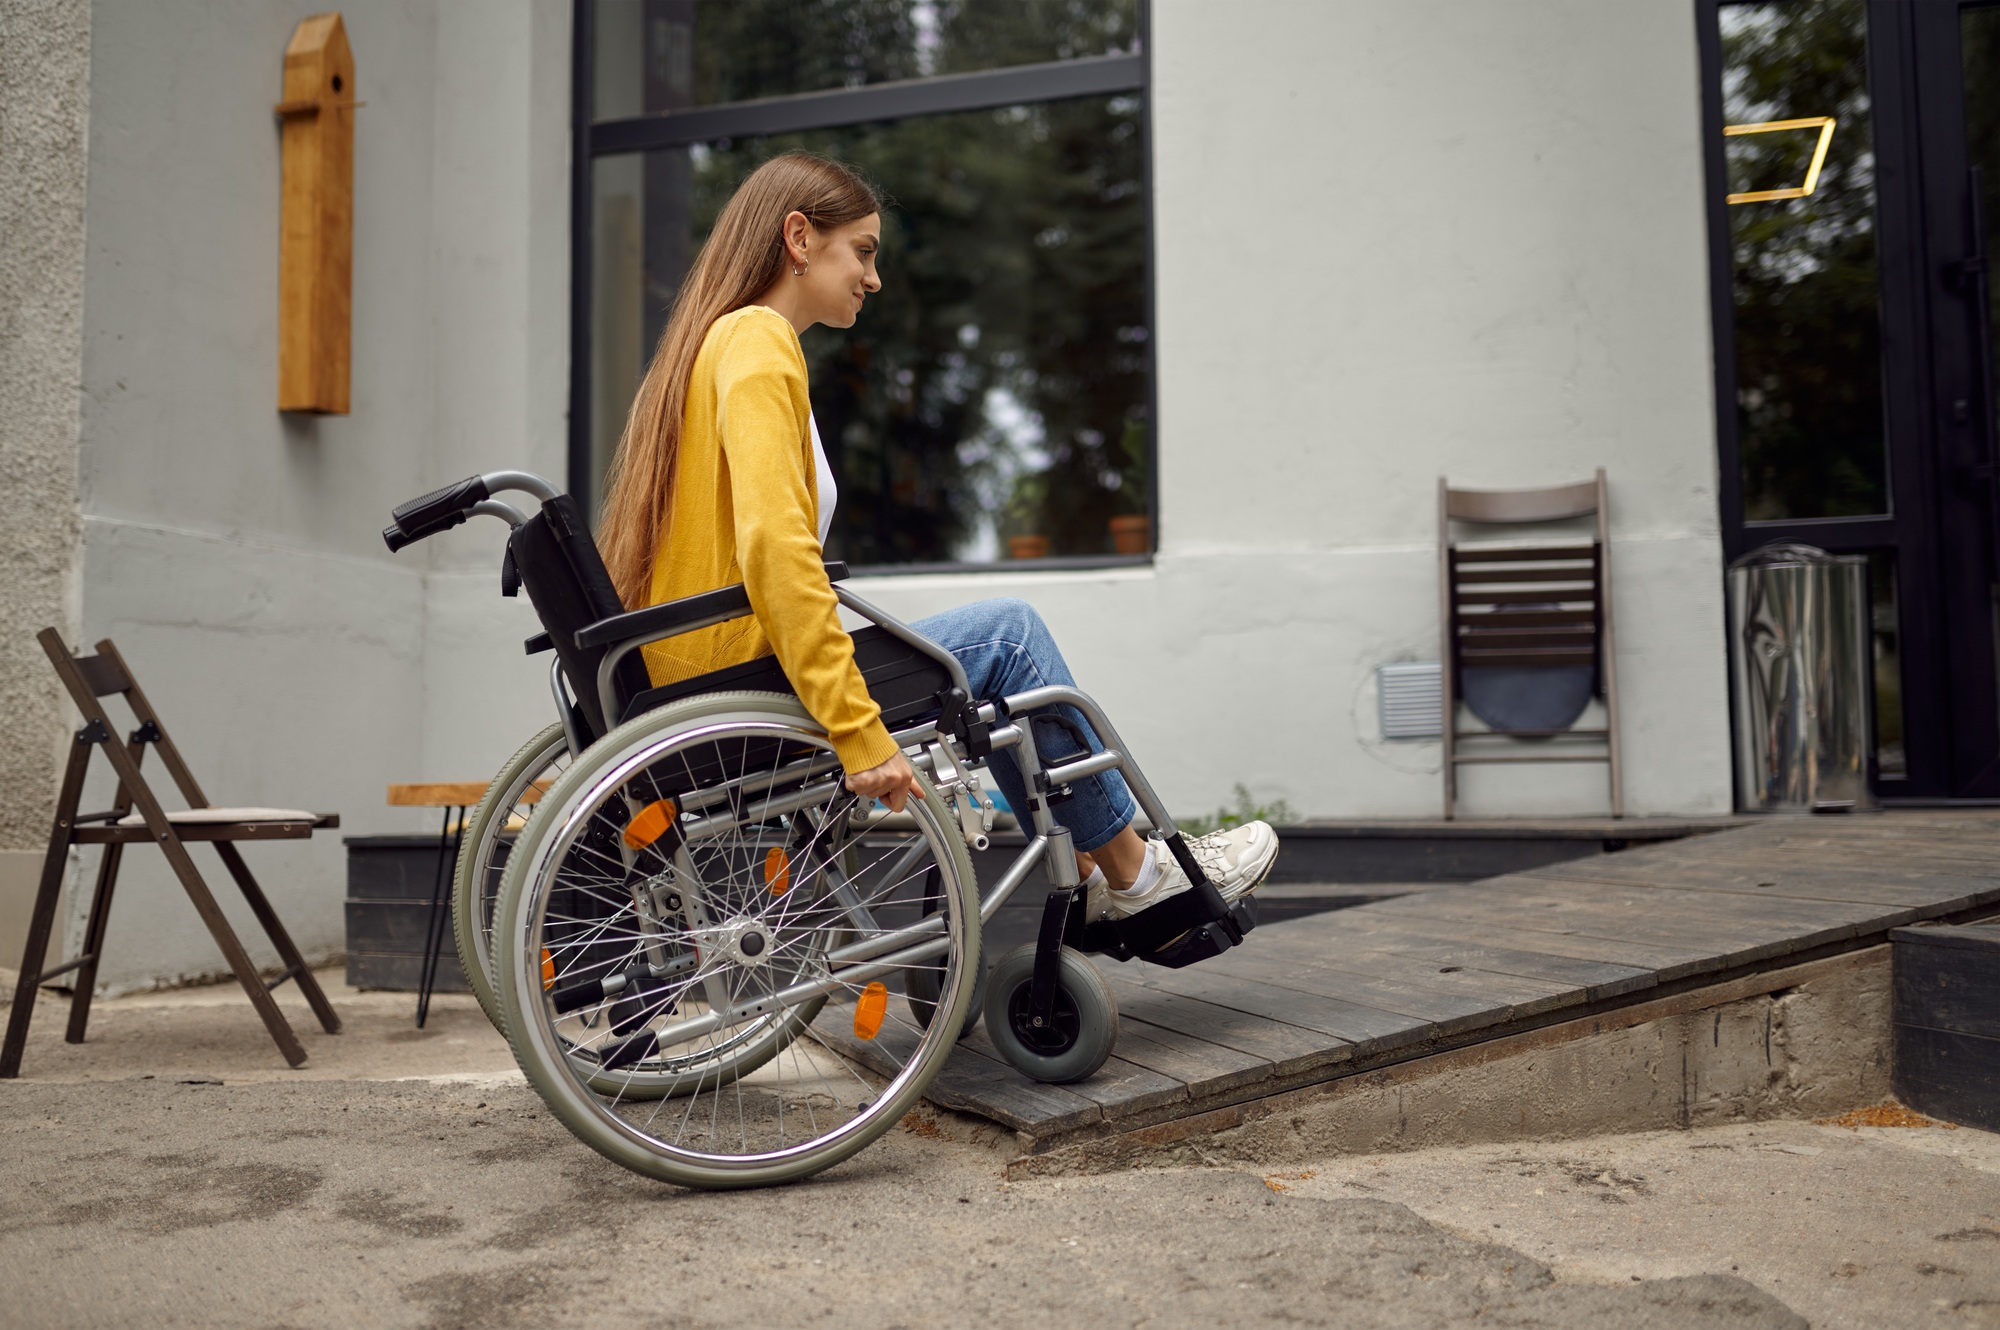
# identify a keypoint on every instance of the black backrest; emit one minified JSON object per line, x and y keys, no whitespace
{"x":570,"y":588}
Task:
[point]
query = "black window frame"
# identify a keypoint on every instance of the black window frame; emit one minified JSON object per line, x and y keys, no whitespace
{"x":981,"y":90}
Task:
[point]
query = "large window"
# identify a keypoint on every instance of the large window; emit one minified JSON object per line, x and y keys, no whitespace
{"x":994,"y":402}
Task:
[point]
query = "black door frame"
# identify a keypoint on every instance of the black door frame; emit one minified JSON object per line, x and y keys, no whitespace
{"x":1941,"y":523}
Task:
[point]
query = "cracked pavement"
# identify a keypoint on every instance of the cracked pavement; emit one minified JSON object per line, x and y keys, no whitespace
{"x":237,"y":1194}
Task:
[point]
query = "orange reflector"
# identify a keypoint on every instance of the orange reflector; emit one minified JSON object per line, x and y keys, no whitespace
{"x":651,"y":824}
{"x":548,"y":970}
{"x":778,"y":872}
{"x":868,"y":1012}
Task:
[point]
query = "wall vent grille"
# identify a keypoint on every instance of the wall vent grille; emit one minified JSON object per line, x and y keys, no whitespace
{"x":1412,"y":700}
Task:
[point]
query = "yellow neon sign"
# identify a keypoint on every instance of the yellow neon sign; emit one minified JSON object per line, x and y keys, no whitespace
{"x":1824,"y":123}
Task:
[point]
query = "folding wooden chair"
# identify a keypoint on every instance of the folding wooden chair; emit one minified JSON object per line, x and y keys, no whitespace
{"x":137,"y":817}
{"x":1527,"y":633}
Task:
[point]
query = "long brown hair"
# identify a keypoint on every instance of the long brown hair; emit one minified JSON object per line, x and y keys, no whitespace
{"x":743,"y":256}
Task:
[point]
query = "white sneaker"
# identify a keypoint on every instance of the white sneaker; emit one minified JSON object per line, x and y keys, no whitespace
{"x":1236,"y":861}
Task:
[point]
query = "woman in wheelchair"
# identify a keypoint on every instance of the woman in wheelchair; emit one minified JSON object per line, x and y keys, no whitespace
{"x":720,"y":477}
{"x":676,"y":902}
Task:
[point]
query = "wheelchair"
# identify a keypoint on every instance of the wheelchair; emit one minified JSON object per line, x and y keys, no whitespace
{"x":718,"y":966}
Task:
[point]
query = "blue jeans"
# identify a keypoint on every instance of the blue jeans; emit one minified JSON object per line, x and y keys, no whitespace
{"x":1006,"y":648}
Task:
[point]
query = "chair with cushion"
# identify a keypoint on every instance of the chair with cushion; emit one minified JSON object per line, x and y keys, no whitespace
{"x":137,"y":817}
{"x":1526,"y":632}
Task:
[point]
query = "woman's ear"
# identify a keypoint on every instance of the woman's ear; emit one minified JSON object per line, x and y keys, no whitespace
{"x":797,"y":231}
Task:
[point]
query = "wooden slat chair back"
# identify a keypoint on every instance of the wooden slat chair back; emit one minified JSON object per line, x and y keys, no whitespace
{"x":1545,"y":606}
{"x":135,"y":817}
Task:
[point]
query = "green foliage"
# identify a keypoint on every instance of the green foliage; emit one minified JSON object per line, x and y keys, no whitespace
{"x":1246,"y":809}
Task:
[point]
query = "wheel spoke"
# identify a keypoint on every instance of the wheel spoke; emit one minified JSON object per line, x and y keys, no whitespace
{"x":722,"y":1042}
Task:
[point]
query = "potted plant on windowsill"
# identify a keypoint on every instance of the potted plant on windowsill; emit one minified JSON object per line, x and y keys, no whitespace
{"x":1132,"y":534}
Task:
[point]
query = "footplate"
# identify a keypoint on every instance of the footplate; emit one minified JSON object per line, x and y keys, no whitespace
{"x":1179,"y":931}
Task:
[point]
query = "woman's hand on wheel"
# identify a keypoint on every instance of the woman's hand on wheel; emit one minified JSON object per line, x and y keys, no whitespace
{"x":892,"y":782}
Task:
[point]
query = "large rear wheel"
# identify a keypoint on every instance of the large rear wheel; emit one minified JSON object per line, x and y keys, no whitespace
{"x":690,"y":977}
{"x":489,"y":838}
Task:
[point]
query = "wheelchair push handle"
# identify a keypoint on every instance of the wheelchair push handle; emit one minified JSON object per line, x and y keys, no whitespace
{"x":440,"y":510}
{"x":447,"y":507}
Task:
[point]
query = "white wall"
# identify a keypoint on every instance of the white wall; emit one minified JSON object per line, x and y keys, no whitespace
{"x":1399,"y":240}
{"x":1394,"y":239}
{"x":234,"y":552}
{"x":44,"y":106}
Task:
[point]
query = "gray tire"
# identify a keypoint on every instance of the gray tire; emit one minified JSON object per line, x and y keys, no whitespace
{"x":751,"y":936}
{"x":475,"y":886}
{"x":1085,"y":1025}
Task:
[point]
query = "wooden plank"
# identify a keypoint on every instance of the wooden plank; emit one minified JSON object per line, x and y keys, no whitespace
{"x":1450,"y":1013}
{"x":1912,"y":844}
{"x":1119,"y":1087}
{"x":1290,"y":1049}
{"x":973,"y":1082}
{"x":1360,"y":1026}
{"x":1207,"y":1069}
{"x":1940,"y":840}
{"x":316,"y":218}
{"x":1891,"y":862}
{"x":1336,"y":950}
{"x":1594,"y":979}
{"x":1713,"y":943}
{"x":1665,"y":911}
{"x":1604,"y":951}
{"x":1930,"y":893}
{"x":1759,"y":846}
{"x":1740,"y":937}
{"x":437,"y":794}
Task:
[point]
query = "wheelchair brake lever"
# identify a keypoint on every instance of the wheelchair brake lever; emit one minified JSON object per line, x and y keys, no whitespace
{"x":974,"y":808}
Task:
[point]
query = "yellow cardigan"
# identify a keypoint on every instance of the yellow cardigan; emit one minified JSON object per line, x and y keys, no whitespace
{"x":746,"y":509}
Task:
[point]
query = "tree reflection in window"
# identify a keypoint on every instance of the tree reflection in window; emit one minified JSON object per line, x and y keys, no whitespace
{"x":998,"y":387}
{"x":1807,"y":321}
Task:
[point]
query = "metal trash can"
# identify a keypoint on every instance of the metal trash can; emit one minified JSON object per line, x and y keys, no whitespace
{"x":1801,"y":676}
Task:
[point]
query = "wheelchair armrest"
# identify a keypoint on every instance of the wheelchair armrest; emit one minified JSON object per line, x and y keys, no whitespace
{"x":666,"y":620}
{"x":683,"y":615}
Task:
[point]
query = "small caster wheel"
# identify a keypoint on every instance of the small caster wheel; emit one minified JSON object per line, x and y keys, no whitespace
{"x":1080,"y":1033}
{"x":921,"y":984}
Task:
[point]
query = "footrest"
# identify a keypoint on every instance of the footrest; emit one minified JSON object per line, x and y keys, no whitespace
{"x":1179,"y":931}
{"x":1210,"y":939}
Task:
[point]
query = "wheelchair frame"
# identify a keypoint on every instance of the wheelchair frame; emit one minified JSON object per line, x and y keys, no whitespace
{"x":1179,"y":931}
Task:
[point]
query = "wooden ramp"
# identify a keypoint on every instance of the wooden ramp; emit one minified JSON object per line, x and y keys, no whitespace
{"x":1313,"y":1000}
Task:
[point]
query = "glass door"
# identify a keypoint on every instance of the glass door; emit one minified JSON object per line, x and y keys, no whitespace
{"x":1950,"y":78}
{"x":1843,"y":347}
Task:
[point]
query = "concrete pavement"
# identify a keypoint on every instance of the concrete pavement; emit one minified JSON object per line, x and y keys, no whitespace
{"x":173,"y":1173}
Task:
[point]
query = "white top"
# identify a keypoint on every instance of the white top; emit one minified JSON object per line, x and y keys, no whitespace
{"x":829,"y":493}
